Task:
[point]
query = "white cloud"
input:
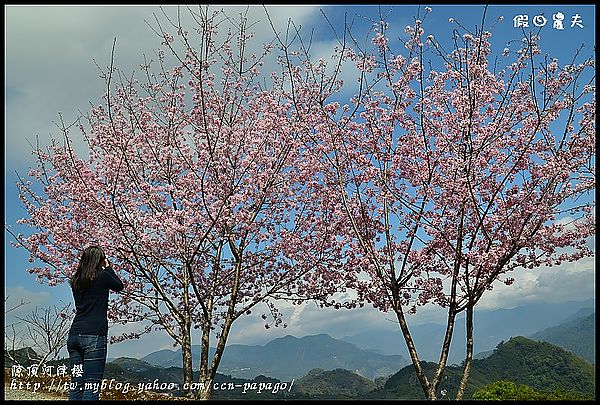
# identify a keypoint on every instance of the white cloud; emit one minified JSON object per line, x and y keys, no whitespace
{"x":52,"y":69}
{"x":569,"y":281}
{"x":50,"y":54}
{"x":309,"y":319}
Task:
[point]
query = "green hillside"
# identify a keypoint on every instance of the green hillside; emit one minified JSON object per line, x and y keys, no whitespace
{"x":540,"y":365}
{"x":405,"y":385}
{"x":509,"y":391}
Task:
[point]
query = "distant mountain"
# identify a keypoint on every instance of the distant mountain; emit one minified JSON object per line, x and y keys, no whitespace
{"x":540,"y":365}
{"x":25,"y":357}
{"x":168,"y":358}
{"x":133,"y":365}
{"x":291,"y":357}
{"x":577,"y":336}
{"x":333,"y":384}
{"x":136,"y":371}
{"x":491,"y":327}
{"x":582,"y":313}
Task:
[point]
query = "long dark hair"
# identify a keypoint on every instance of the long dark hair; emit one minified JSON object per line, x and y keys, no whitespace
{"x":91,"y":260}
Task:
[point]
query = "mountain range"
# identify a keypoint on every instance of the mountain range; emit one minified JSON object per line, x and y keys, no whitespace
{"x":577,"y":335}
{"x":540,"y":365}
{"x":292,"y":357}
{"x":491,"y":327}
{"x":276,"y":357}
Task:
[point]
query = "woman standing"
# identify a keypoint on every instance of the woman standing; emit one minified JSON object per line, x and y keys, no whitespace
{"x":88,"y":334}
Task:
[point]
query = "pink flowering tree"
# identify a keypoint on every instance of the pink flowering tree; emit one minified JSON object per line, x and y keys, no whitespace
{"x":449,"y":172}
{"x":199,"y":188}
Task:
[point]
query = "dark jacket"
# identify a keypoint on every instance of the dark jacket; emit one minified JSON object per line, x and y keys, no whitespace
{"x":92,"y":304}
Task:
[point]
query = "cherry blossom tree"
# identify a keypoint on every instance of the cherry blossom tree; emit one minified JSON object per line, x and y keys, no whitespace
{"x":197,"y":185}
{"x":449,"y":172}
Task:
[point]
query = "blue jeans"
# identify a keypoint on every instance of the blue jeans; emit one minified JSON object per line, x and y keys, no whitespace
{"x":87,"y":355}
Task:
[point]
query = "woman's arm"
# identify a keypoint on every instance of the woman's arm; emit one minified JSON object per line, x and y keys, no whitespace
{"x":113,"y":281}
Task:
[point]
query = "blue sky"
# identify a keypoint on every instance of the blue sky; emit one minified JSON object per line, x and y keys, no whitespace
{"x":49,"y":68}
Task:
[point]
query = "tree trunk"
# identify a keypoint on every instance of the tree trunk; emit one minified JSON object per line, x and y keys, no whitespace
{"x":439,"y":373}
{"x":469,"y":356}
{"x":207,"y":373}
{"x":206,"y":385}
{"x":186,"y":353}
{"x":414,"y":356}
{"x":204,"y":379}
